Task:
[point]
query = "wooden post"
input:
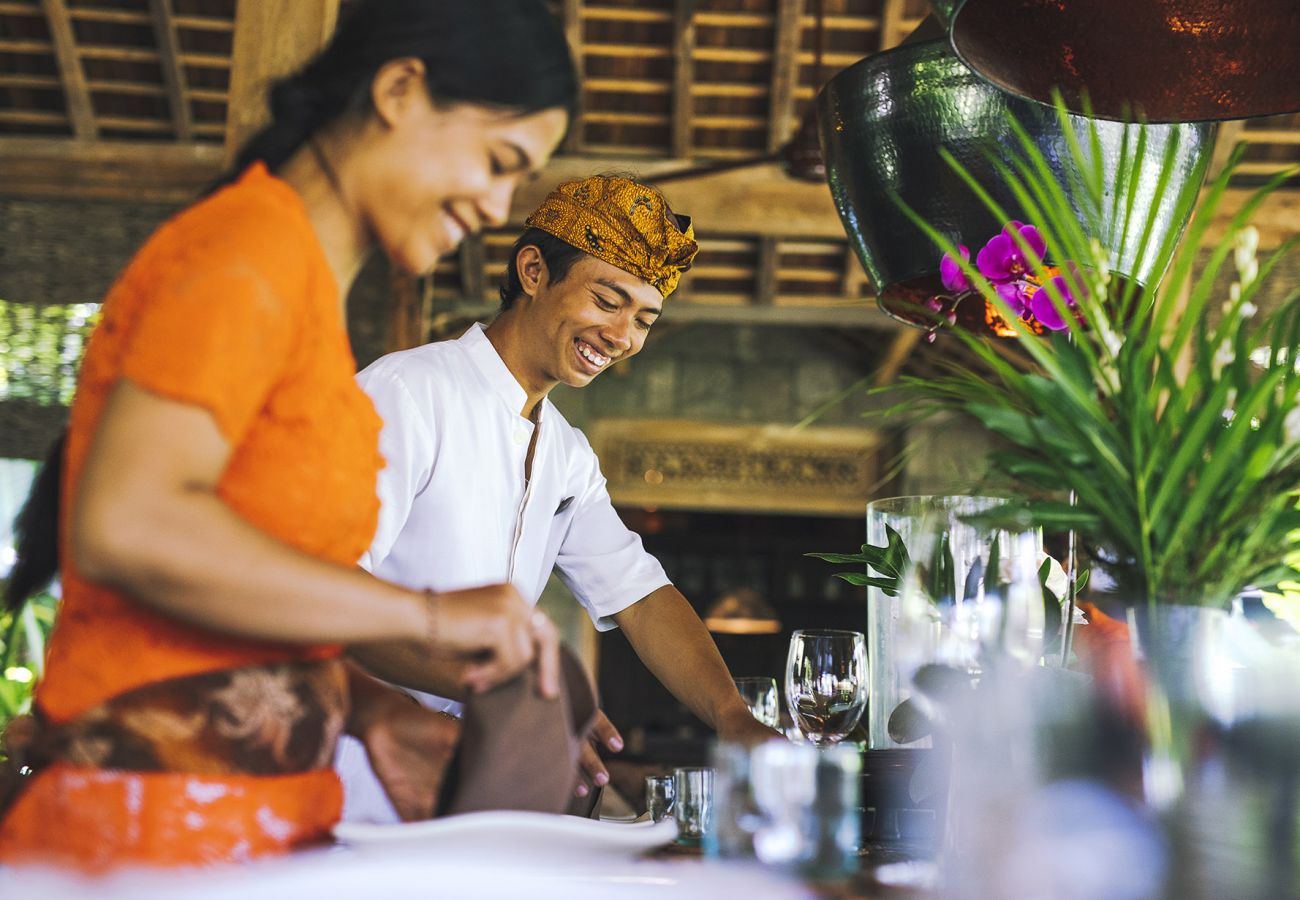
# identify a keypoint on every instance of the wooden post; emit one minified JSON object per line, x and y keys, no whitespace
{"x":785,"y":71}
{"x":683,"y":78}
{"x":272,"y":39}
{"x":765,"y":274}
{"x":573,"y":141}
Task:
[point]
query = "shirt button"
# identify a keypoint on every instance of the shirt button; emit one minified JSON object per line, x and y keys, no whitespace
{"x":521,"y":436}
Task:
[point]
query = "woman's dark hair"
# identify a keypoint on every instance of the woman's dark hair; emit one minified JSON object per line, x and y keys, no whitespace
{"x":36,"y":532}
{"x":509,"y":54}
{"x":559,"y":256}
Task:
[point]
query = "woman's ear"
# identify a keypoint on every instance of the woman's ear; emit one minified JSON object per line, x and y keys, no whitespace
{"x":531,"y":269}
{"x":397,"y":88}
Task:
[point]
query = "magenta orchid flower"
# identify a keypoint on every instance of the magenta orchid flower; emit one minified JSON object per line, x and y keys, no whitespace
{"x":950,"y":273}
{"x":1001,"y":259}
{"x":1044,"y":309}
{"x":1015,"y":294}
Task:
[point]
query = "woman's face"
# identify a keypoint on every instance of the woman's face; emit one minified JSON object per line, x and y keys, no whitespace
{"x":430,"y":175}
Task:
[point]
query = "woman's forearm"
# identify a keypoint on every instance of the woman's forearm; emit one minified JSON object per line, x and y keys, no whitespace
{"x":412,"y":666}
{"x":146,"y":520}
{"x":190,"y":556}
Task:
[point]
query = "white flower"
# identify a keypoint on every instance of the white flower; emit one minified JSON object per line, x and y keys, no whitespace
{"x":1291,"y":425}
{"x":1056,"y":582}
{"x":1246,"y":244}
{"x":1223,"y":357}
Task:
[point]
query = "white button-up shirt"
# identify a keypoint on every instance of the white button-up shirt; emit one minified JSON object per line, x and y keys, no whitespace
{"x":457,"y":512}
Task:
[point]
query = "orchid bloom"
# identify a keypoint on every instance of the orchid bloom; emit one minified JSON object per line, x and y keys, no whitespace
{"x":950,"y":273}
{"x":1044,"y":309}
{"x":1001,"y":259}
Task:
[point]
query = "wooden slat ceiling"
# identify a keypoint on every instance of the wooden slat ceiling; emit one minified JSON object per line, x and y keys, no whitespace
{"x":159,"y":70}
{"x":665,"y":82}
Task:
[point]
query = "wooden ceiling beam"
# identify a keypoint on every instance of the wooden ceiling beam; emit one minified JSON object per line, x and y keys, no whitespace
{"x":682,"y":136}
{"x":173,"y":73}
{"x":785,"y":72}
{"x":272,"y":39}
{"x":148,"y":172}
{"x":80,"y":111}
{"x":755,"y":201}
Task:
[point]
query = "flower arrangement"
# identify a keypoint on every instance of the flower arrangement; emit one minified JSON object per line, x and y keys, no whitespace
{"x":1161,"y":426}
{"x":1009,"y":270}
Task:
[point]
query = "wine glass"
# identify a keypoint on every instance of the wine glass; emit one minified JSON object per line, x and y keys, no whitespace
{"x":759,"y":694}
{"x":826,"y":683}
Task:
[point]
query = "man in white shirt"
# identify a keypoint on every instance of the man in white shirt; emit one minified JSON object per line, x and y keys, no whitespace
{"x":486,"y":482}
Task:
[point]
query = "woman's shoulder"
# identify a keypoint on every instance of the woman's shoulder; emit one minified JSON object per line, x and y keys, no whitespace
{"x":257,"y":220}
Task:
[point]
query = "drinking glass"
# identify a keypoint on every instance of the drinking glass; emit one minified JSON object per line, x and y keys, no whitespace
{"x":826,"y":683}
{"x":659,"y":796}
{"x":759,"y":694}
{"x":692,"y":804}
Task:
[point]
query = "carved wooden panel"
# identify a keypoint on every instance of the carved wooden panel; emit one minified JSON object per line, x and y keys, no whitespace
{"x":681,"y":464}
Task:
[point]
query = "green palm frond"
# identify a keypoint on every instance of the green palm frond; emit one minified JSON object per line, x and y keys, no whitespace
{"x":1183,"y":454}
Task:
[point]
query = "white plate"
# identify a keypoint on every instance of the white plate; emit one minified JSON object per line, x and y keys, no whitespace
{"x":514,"y":835}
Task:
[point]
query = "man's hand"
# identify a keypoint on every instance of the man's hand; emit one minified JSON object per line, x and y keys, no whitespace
{"x":740,"y":727}
{"x":593,"y":772}
{"x":410,"y":748}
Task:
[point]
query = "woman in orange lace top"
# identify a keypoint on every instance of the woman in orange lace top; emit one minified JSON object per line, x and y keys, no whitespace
{"x":220,"y":462}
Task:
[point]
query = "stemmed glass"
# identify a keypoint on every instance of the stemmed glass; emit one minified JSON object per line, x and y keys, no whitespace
{"x":826,"y":683}
{"x":759,"y":694}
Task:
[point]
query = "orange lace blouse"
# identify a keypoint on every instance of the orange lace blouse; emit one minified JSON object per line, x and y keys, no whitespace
{"x":231,"y":306}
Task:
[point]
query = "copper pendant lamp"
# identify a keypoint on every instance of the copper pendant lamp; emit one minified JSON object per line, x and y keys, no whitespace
{"x":1169,"y":60}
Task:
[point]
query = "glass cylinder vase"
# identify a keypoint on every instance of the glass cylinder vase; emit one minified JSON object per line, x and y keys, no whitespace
{"x":940,"y":610}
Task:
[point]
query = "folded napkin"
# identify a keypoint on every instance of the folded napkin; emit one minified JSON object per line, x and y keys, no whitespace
{"x":519,"y":750}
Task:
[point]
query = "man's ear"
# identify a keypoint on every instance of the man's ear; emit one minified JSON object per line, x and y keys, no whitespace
{"x":397,"y":87}
{"x":531,"y":269}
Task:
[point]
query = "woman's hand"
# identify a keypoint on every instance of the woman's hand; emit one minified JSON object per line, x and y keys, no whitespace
{"x":497,"y":635}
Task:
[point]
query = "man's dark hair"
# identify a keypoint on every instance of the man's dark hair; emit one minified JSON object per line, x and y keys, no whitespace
{"x":559,"y":256}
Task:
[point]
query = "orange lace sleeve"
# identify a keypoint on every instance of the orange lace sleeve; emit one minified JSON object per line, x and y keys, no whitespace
{"x":215,"y":326}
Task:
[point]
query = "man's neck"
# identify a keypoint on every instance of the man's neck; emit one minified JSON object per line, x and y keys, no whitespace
{"x":506,"y":338}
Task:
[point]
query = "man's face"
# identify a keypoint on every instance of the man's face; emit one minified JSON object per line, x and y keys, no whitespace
{"x":597,"y":316}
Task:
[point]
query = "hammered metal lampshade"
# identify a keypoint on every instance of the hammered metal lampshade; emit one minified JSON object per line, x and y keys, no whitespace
{"x":883,"y":123}
{"x":1174,"y":60}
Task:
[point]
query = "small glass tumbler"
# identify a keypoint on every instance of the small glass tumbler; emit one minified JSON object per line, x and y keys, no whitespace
{"x":692,"y":804}
{"x":807,"y":799}
{"x":659,"y":796}
{"x":759,"y":694}
{"x":736,"y":817}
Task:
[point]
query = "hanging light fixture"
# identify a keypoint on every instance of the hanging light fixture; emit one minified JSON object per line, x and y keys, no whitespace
{"x":742,"y":611}
{"x":885,"y":121}
{"x":1170,"y":60}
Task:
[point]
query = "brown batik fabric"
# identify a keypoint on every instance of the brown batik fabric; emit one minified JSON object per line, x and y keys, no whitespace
{"x":271,"y":719}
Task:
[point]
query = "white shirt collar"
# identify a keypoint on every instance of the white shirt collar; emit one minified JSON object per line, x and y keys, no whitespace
{"x":494,"y":370}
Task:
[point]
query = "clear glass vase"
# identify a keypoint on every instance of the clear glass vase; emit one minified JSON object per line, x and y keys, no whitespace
{"x":947,"y":607}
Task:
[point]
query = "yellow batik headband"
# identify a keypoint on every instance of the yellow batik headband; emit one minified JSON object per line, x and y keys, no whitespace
{"x":624,"y":223}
